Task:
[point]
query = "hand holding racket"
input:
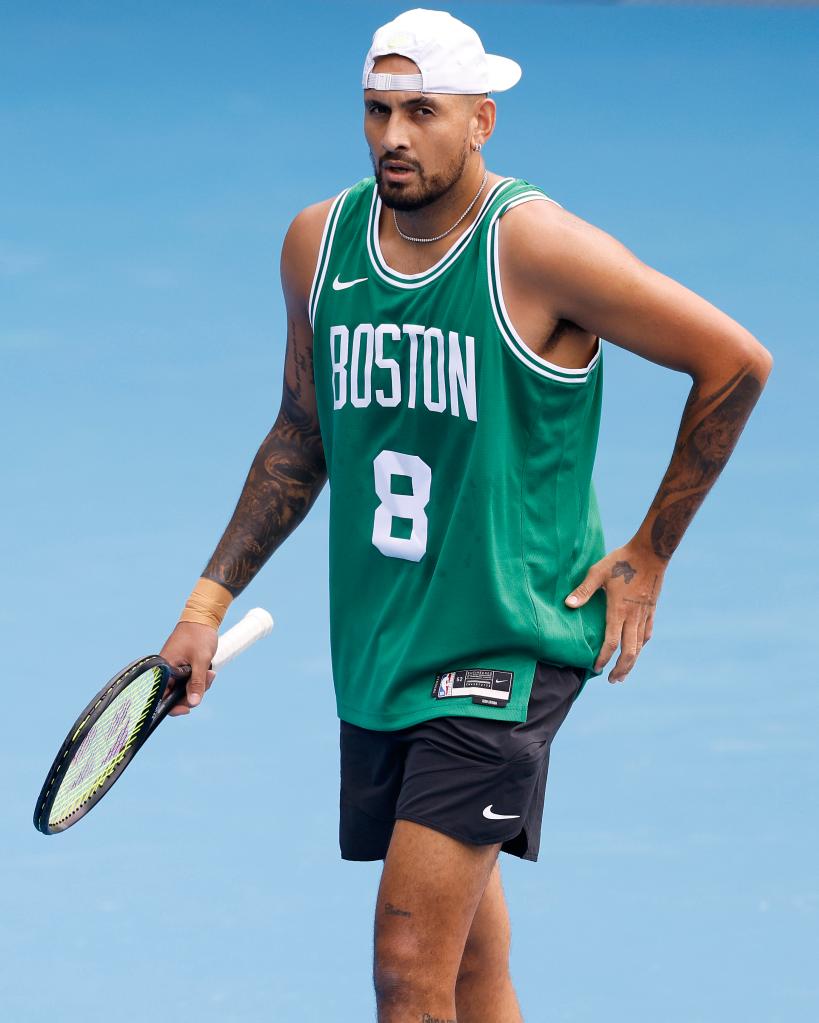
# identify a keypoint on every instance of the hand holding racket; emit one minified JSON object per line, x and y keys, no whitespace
{"x":194,"y":645}
{"x":115,"y":724}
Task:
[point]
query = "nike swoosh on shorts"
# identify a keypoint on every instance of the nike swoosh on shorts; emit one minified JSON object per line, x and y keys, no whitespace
{"x":498,"y":816}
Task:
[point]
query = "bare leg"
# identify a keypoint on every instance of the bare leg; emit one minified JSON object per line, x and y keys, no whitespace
{"x":430,"y":889}
{"x":484,"y":992}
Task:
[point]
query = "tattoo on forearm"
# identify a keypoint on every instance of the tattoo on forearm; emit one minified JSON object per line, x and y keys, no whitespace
{"x":710,"y":427}
{"x":391,"y":910}
{"x":285,"y":478}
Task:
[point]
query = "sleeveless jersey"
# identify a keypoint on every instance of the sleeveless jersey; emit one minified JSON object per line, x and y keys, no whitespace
{"x":462,"y":510}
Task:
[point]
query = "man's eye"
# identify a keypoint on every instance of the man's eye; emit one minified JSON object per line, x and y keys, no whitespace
{"x":425,"y":110}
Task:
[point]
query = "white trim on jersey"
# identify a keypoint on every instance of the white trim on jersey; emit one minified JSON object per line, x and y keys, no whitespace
{"x":323,"y":260}
{"x":409,"y":281}
{"x":513,"y":340}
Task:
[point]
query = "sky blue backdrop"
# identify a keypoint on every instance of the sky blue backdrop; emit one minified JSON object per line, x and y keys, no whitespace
{"x":152,"y":157}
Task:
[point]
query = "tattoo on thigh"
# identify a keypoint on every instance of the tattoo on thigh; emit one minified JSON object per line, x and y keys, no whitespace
{"x":391,"y":910}
{"x":427,"y":1017}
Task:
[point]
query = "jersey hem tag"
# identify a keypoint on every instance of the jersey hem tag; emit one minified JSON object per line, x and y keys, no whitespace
{"x":490,"y":687}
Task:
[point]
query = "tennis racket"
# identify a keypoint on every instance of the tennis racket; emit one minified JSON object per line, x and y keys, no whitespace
{"x":113,"y":727}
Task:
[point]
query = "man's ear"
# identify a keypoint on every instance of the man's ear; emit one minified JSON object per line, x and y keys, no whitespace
{"x":484,"y":113}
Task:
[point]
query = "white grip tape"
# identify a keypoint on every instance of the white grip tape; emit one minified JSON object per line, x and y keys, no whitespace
{"x":255,"y":625}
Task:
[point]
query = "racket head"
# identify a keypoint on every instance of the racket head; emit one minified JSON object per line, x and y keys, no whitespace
{"x":103,"y":740}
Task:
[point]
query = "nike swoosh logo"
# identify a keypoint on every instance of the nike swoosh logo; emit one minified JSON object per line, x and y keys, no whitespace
{"x":498,"y":816}
{"x":341,"y":285}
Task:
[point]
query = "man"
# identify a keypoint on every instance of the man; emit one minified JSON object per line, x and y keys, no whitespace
{"x":444,"y":367}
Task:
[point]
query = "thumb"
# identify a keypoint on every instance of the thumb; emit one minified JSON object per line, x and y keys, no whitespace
{"x":581,"y":593}
{"x":196,"y":683}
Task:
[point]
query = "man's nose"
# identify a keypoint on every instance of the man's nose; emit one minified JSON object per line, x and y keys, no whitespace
{"x":395,"y":135}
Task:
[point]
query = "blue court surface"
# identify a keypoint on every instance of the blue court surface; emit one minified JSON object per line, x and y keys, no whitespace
{"x":152,"y":158}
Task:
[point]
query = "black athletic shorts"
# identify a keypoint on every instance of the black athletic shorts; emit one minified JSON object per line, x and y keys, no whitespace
{"x":475,"y":779}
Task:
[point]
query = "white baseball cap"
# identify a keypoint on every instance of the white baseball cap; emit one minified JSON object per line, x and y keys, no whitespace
{"x":449,"y":55}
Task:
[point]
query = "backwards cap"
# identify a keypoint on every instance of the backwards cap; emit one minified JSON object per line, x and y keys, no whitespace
{"x":449,"y":55}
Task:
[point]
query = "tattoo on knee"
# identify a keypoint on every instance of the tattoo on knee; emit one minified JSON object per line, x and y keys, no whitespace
{"x":391,"y":910}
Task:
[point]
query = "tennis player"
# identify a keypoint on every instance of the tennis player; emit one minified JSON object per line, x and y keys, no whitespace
{"x":444,"y":368}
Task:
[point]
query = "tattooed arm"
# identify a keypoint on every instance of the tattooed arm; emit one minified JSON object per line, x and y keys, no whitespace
{"x":576,"y":272}
{"x":712,"y":420}
{"x":286,"y":475}
{"x":714,"y":415}
{"x":288,"y":471}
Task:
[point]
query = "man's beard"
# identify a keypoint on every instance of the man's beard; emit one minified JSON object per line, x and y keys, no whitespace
{"x":404,"y":198}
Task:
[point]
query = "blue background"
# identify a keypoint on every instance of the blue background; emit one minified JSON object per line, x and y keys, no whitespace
{"x":152,"y":157}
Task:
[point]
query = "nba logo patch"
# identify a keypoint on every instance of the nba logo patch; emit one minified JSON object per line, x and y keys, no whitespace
{"x":444,"y":685}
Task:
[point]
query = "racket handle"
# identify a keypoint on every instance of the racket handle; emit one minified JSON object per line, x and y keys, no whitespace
{"x":255,"y":625}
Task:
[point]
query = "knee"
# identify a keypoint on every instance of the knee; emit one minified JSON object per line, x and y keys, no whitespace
{"x":403,"y":972}
{"x":394,"y":983}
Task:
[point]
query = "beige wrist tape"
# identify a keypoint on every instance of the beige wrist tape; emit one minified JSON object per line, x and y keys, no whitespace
{"x":208,"y":604}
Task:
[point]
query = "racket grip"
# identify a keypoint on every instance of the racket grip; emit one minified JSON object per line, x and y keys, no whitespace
{"x":255,"y":625}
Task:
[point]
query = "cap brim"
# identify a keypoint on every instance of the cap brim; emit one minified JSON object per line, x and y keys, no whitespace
{"x":503,"y":72}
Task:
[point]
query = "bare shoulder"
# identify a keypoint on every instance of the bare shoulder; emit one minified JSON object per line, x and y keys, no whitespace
{"x":580,"y":273}
{"x":300,"y":250}
{"x":578,"y":265}
{"x":543,"y":237}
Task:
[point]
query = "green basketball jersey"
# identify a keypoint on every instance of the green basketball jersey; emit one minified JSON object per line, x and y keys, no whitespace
{"x":462,"y":510}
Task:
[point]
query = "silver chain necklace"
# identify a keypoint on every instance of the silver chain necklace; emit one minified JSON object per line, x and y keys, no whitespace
{"x":438,"y":237}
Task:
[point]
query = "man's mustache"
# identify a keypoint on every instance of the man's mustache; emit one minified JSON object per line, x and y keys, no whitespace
{"x":398,"y":159}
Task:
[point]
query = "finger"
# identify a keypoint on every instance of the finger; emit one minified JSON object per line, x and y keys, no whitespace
{"x":649,"y":626}
{"x":629,"y":648}
{"x":581,"y":593}
{"x":184,"y":705}
{"x":641,"y":630}
{"x":196,"y":683}
{"x":614,"y":631}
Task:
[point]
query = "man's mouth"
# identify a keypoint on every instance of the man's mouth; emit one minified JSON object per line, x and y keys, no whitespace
{"x":395,"y":171}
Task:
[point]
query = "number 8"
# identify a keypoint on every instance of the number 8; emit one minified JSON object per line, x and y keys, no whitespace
{"x":404,"y":506}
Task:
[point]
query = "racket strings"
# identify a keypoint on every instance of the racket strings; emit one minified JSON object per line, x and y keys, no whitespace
{"x":106,"y":744}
